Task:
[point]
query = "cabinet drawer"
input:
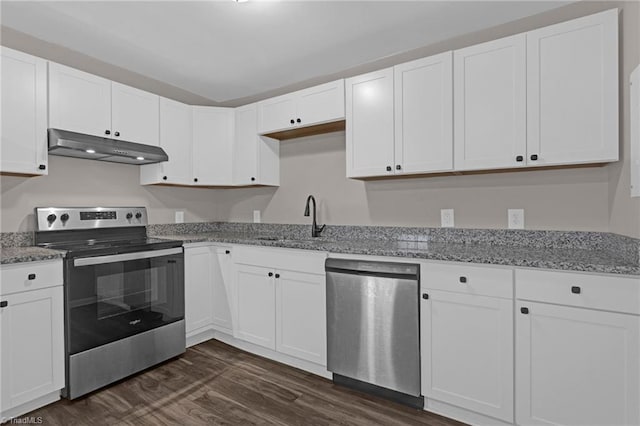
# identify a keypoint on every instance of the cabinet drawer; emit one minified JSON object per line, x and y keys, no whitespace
{"x":496,"y":282}
{"x":281,"y":259}
{"x":30,"y":276}
{"x":610,"y":293}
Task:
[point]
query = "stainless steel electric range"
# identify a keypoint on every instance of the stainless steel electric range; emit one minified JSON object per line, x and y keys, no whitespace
{"x":124,"y":293}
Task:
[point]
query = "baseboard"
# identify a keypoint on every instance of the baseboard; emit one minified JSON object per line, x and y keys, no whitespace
{"x":27,"y":407}
{"x":199,"y":336}
{"x":302,"y":364}
{"x":460,"y":414}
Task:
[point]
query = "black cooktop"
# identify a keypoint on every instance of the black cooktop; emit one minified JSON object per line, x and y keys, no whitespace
{"x":102,"y":242}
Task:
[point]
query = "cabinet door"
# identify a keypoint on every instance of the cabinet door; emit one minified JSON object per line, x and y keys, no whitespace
{"x":24,"y":113}
{"x":32,"y":346}
{"x":79,"y":101}
{"x":212,"y":145}
{"x":424,"y":115}
{"x":576,"y":366}
{"x":369,"y":127}
{"x":175,"y":139}
{"x":245,"y":150}
{"x":320,"y":104}
{"x":198,"y":288}
{"x":572,"y":91}
{"x":277,"y":114}
{"x":301,"y":325}
{"x":255,"y":306}
{"x":135,"y":115}
{"x":467,"y":352}
{"x":490,"y":105}
{"x":222,"y":296}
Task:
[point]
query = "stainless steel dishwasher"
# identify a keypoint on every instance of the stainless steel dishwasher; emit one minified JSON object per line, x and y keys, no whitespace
{"x":373,"y":334}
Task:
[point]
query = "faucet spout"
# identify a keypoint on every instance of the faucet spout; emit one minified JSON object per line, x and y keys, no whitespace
{"x":315,"y":229}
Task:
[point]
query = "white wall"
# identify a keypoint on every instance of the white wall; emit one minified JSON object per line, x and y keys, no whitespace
{"x":552,"y":199}
{"x":76,"y":182}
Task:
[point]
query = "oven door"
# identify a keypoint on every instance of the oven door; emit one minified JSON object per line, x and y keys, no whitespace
{"x":112,"y":297}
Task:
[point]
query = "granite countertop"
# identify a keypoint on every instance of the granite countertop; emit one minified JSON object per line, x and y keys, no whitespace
{"x":27,"y":254}
{"x":570,"y":259}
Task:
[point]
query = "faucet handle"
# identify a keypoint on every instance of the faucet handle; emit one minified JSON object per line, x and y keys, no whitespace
{"x":320,"y":228}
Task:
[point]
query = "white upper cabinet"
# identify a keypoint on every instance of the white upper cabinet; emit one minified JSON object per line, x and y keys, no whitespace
{"x":175,"y":139}
{"x":400,"y":120}
{"x":24,"y":113}
{"x":79,"y":101}
{"x":572,"y":91}
{"x":85,"y":103}
{"x":424,"y":115}
{"x":490,"y":105}
{"x":212,"y":145}
{"x":320,"y":104}
{"x":135,"y":114}
{"x":256,"y":159}
{"x":277,"y":113}
{"x":316,"y":105}
{"x":369,"y":127}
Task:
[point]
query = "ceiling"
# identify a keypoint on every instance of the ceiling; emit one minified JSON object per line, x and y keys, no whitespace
{"x":224,"y":51}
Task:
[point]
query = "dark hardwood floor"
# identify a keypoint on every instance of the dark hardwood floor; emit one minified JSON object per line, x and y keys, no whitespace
{"x":214,"y":383}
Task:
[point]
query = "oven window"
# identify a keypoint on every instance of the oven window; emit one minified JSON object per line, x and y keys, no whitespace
{"x":107,"y":302}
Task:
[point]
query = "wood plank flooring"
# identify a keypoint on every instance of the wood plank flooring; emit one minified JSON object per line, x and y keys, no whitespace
{"x":214,"y":383}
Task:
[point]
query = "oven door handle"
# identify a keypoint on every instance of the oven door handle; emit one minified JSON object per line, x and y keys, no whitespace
{"x":99,"y":260}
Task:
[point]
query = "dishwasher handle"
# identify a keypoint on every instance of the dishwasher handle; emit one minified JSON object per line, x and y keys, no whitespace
{"x":368,"y":268}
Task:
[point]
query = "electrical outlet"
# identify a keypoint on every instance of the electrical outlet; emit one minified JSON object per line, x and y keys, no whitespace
{"x":179,"y":216}
{"x":256,"y":216}
{"x":446,"y":218}
{"x":516,"y":218}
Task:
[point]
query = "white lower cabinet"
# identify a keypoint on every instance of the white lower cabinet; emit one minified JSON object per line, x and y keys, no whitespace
{"x":222,"y":295}
{"x":256,"y":305}
{"x":198,"y":289}
{"x":208,"y":297}
{"x":467,"y":338}
{"x":281,"y":301}
{"x":300,"y":316}
{"x":31,"y":336}
{"x":577,"y":364}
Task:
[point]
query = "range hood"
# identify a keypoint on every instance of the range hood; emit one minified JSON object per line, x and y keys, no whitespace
{"x":78,"y":145}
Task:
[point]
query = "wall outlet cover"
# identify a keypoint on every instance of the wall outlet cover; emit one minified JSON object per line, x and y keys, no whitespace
{"x":256,"y":216}
{"x":515,"y":218}
{"x":446,"y":218}
{"x":179,"y":217}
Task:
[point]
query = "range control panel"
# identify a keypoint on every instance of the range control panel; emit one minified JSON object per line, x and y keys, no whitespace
{"x":106,"y":215}
{"x":67,"y":218}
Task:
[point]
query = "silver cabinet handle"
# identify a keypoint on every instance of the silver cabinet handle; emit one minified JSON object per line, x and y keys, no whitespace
{"x":99,"y":260}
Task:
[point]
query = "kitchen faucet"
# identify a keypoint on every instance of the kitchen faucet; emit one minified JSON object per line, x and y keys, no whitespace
{"x":315,"y":229}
